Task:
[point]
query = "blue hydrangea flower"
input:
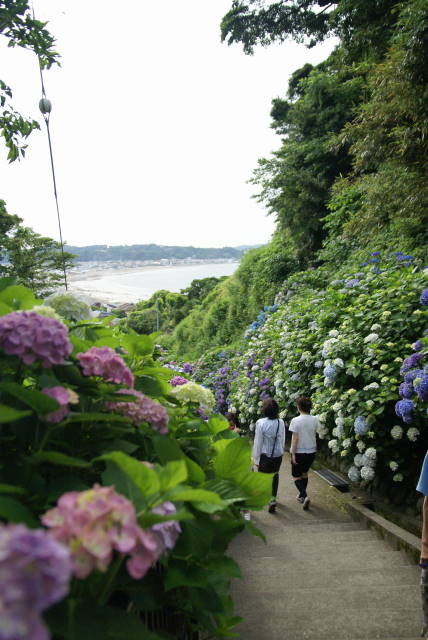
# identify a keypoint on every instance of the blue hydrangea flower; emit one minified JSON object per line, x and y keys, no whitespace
{"x":376,"y":253}
{"x":329,"y":371}
{"x":406,"y":390}
{"x":403,"y":409}
{"x":352,"y":283}
{"x":422,"y":389}
{"x":374,"y":260}
{"x":412,"y":375}
{"x":319,"y":364}
{"x":361,"y":425}
{"x":424,"y":298}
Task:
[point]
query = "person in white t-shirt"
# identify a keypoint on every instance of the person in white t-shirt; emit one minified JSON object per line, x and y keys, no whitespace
{"x":268,"y":447}
{"x":303,"y":447}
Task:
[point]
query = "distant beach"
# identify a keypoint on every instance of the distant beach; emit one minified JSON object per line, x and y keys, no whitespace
{"x":131,"y":284}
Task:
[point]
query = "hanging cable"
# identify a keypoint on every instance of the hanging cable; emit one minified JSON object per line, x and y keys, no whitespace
{"x":45,"y":107}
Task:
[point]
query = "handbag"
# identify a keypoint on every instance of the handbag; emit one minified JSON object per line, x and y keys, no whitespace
{"x":270,"y":464}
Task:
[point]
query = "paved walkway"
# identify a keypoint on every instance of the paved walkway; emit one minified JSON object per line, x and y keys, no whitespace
{"x":321,"y":575}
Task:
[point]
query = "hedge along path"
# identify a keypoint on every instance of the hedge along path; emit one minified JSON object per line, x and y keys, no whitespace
{"x":321,"y":575}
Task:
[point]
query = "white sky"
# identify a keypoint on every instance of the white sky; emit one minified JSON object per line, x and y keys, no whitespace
{"x":156,"y":125}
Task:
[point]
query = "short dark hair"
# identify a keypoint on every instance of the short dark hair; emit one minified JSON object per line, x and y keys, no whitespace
{"x":232,"y":417}
{"x":304,"y":404}
{"x":270,"y":408}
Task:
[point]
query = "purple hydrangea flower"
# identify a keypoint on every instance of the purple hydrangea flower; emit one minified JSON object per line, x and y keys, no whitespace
{"x":106,"y":363}
{"x":32,"y":337}
{"x":361,"y":425}
{"x":410,"y":363}
{"x":35,"y":572}
{"x":375,"y":253}
{"x":417,"y":346}
{"x":422,"y":389}
{"x":424,"y":298}
{"x":406,"y":390}
{"x":268,"y":363}
{"x":63,"y":396}
{"x":403,"y":409}
{"x":188,"y":368}
{"x":352,"y":283}
{"x":143,"y":409}
{"x":177,"y":380}
{"x":264,"y":382}
{"x":169,"y":530}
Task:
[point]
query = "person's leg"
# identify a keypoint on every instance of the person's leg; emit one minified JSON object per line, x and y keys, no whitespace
{"x":275,"y":483}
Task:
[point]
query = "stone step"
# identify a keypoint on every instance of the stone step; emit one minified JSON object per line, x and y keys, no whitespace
{"x":275,"y":572}
{"x":299,"y":623}
{"x":298,"y":560}
{"x":323,"y":547}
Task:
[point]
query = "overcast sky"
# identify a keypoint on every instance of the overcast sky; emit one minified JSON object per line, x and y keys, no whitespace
{"x":156,"y":125}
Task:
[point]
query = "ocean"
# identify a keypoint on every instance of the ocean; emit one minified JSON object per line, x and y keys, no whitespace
{"x":140,"y":284}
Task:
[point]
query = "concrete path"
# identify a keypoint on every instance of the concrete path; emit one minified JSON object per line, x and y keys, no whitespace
{"x":321,"y":575}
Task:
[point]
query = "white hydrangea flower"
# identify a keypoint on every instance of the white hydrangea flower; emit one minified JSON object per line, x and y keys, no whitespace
{"x":283,"y":414}
{"x":232,"y":409}
{"x":346,"y":443}
{"x":354,"y":474}
{"x":47,"y":311}
{"x":338,"y":362}
{"x":361,"y":446}
{"x":372,"y":337}
{"x":367,"y":473}
{"x":368,"y":462}
{"x":372,"y":385}
{"x":393,"y":465}
{"x":398,"y":477}
{"x":369,"y":404}
{"x":322,"y":417}
{"x":255,"y":367}
{"x":375,"y":327}
{"x":322,"y":431}
{"x":358,"y":460}
{"x":412,"y":434}
{"x":253,"y":391}
{"x":333,"y":333}
{"x":252,"y":426}
{"x":340,"y":421}
{"x":337,"y":406}
{"x":371,"y":453}
{"x":397,"y":432}
{"x":333,"y":445}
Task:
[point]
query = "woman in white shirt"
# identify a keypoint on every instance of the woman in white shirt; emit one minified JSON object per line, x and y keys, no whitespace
{"x":268,"y":446}
{"x":303,"y":447}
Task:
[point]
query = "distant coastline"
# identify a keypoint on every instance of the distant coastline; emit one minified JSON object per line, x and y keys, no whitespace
{"x":131,"y":281}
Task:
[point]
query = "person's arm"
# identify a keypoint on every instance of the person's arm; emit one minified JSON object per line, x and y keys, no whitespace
{"x":257,"y":447}
{"x":294,"y":441}
{"x":283,"y":435}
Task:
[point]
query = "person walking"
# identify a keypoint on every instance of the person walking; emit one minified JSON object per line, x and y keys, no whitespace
{"x":303,"y":447}
{"x":423,"y":562}
{"x":268,"y":447}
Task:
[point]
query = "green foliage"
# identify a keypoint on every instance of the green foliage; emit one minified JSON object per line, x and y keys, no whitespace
{"x":233,"y":303}
{"x":361,"y":323}
{"x":21,"y":29}
{"x":33,"y":260}
{"x":41,"y":459}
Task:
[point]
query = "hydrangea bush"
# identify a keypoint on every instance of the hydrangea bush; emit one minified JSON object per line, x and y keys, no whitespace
{"x":117,"y":499}
{"x":343,"y":344}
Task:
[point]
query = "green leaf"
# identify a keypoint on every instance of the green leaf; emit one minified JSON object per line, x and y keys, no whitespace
{"x":97,"y":417}
{"x":181,"y":574}
{"x":138,"y":345}
{"x":6,"y":282}
{"x":195,"y":472}
{"x":4,"y":309}
{"x":226,"y":566}
{"x":151,"y":386}
{"x":8,"y":414}
{"x":217,"y":423}
{"x":18,"y":297}
{"x":167,"y":448}
{"x":9,"y":488}
{"x":55,"y":457}
{"x":234,"y":461}
{"x":144,"y":478}
{"x":172,"y":474}
{"x":40,"y":402}
{"x":195,"y":495}
{"x":13,"y":511}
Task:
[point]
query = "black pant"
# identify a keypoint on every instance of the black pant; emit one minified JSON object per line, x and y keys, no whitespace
{"x":271,"y":465}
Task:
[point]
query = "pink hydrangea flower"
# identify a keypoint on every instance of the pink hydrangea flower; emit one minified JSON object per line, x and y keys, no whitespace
{"x":63,"y":396}
{"x":169,"y":530}
{"x":95,"y":523}
{"x":144,"y":409}
{"x":32,"y":337}
{"x":178,"y":380}
{"x":106,"y":363}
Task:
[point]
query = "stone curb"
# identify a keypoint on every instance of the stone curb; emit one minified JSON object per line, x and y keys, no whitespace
{"x":395,"y":536}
